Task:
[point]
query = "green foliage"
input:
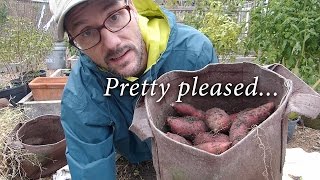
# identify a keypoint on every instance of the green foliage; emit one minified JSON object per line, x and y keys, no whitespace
{"x":3,"y":12}
{"x":72,"y":51}
{"x":21,"y":42}
{"x":175,"y":3}
{"x":195,"y":19}
{"x":288,"y":32}
{"x":293,"y":116}
{"x":218,"y":21}
{"x":222,"y":30}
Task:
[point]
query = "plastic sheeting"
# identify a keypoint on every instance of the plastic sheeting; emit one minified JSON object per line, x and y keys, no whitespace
{"x":300,"y":164}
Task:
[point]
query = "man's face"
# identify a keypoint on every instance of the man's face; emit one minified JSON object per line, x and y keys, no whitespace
{"x":122,"y":53}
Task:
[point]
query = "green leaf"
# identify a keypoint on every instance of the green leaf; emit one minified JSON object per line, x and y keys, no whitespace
{"x":295,"y":27}
{"x":296,"y":71}
{"x":296,"y":48}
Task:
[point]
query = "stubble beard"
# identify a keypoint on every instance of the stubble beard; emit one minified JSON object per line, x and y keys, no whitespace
{"x":139,"y":65}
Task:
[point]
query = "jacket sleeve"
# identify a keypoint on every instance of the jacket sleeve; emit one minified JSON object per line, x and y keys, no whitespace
{"x":90,"y":151}
{"x":209,"y":52}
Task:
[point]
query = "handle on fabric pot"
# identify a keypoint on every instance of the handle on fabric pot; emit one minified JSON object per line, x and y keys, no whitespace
{"x":305,"y":104}
{"x":304,"y":100}
{"x":140,"y":123}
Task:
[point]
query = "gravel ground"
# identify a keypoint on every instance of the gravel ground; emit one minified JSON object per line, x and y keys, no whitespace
{"x":306,"y":138}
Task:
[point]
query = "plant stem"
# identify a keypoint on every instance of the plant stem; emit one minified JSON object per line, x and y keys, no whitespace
{"x":304,"y":38}
{"x":316,"y":84}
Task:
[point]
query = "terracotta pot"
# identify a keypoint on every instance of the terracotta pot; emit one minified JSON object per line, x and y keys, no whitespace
{"x":44,"y":137}
{"x":47,"y":88}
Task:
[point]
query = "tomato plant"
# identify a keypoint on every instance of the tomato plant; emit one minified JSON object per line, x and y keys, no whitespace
{"x":288,"y":32}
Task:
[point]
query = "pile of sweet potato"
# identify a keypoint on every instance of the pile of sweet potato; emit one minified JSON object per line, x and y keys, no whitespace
{"x":214,"y":130}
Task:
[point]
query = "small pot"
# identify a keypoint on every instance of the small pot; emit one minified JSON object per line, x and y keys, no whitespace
{"x":44,"y":137}
{"x":292,"y":124}
{"x":29,"y":76}
{"x":15,"y":94}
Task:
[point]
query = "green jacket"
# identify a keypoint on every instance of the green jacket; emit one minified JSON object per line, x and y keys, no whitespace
{"x":96,"y":126}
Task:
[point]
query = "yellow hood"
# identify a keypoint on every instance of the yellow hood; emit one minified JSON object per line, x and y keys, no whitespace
{"x":154,"y":28}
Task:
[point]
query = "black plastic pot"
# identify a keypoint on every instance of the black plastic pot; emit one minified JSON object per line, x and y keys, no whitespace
{"x":15,"y":94}
{"x":19,"y":86}
{"x":26,"y":78}
{"x":29,"y":76}
{"x":67,"y":73}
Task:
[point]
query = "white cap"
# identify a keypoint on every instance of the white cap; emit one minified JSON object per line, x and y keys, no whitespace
{"x":59,"y":8}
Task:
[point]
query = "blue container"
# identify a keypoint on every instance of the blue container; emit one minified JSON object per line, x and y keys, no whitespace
{"x":292,"y":124}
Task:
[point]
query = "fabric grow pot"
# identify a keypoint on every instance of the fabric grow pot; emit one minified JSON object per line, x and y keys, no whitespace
{"x":44,"y":137}
{"x":260,"y":155}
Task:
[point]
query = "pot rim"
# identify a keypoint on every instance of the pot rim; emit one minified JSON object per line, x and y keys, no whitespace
{"x":32,"y":120}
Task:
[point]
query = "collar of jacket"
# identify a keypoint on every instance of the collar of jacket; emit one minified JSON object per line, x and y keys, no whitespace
{"x":155,"y":33}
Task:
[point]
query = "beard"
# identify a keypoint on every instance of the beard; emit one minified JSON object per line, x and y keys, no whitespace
{"x":139,"y":52}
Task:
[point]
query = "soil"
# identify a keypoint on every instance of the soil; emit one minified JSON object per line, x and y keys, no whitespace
{"x":306,"y":138}
{"x":141,"y":171}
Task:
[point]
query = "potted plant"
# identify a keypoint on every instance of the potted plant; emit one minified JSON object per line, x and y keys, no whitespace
{"x":23,"y":49}
{"x":293,"y":120}
{"x":287,"y":32}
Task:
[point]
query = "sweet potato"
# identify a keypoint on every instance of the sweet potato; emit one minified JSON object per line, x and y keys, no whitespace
{"x":185,"y":109}
{"x":256,"y":115}
{"x":237,"y":131}
{"x":186,"y":126}
{"x":209,"y":137}
{"x":178,"y":138}
{"x":244,"y":120}
{"x":217,"y":120}
{"x":233,"y":117}
{"x":214,"y":147}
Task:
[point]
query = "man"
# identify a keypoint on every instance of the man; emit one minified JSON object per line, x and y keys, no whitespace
{"x":134,"y":42}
